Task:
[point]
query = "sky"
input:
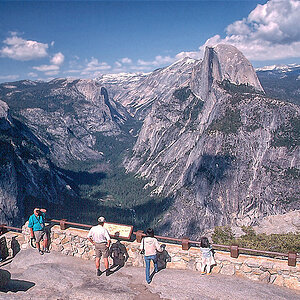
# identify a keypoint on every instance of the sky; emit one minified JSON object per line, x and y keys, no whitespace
{"x":42,"y":40}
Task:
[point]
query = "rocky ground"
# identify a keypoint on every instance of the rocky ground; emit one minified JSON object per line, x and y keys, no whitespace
{"x":54,"y":276}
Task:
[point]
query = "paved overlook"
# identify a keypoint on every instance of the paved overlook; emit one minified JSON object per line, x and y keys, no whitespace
{"x":57,"y":277}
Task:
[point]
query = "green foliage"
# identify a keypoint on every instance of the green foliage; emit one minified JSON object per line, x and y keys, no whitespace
{"x":274,"y":242}
{"x":287,"y":135}
{"x":237,"y":88}
{"x":292,"y":173}
{"x":182,"y":94}
{"x":223,"y":235}
{"x":229,"y":123}
{"x":281,"y":87}
{"x":120,"y":196}
{"x":113,"y":147}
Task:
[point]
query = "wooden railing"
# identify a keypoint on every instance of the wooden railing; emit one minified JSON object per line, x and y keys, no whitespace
{"x":185,"y":242}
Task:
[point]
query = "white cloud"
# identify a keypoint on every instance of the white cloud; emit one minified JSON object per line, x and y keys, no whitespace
{"x":46,"y":68}
{"x":9,"y":77}
{"x":126,"y":60}
{"x":118,"y":64}
{"x":191,"y":54}
{"x":20,"y":49}
{"x":94,"y":67}
{"x":73,"y":71}
{"x":32,"y":74}
{"x":51,"y":73}
{"x":270,"y":32}
{"x":159,"y":60}
{"x":52,"y":69}
{"x":57,"y":59}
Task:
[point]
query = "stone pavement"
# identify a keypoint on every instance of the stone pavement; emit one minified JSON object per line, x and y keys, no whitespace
{"x":57,"y":277}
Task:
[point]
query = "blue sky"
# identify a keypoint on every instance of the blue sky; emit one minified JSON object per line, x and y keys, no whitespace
{"x":44,"y":40}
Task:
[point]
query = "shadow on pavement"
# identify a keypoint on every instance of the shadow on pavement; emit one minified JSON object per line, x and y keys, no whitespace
{"x":15,"y":286}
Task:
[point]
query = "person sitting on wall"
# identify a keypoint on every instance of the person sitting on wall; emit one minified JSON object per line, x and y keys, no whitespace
{"x":36,"y":225}
{"x":99,"y":237}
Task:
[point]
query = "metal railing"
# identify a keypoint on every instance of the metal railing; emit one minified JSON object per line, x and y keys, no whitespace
{"x":185,"y":242}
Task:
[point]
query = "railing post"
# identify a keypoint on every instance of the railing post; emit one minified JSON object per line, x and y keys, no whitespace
{"x":63,"y":225}
{"x":234,"y":251}
{"x":185,"y":243}
{"x":139,"y":235}
{"x":2,"y":228}
{"x":292,"y":259}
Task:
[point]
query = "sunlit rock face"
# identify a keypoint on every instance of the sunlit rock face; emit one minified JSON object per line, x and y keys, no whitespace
{"x":220,"y":147}
{"x":204,"y":133}
{"x":66,"y":115}
{"x":138,"y":92}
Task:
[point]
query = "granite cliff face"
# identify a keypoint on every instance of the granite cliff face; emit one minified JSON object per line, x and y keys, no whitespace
{"x":66,"y":115}
{"x":202,"y":132}
{"x":27,"y":176}
{"x":223,"y":150}
{"x":138,"y":92}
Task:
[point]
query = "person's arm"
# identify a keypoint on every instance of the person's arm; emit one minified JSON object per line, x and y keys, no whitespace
{"x":89,"y":236}
{"x":31,"y":232}
{"x":158,"y":247}
{"x":91,"y":240}
{"x":107,"y":238}
{"x":30,"y":226}
{"x":142,"y":244}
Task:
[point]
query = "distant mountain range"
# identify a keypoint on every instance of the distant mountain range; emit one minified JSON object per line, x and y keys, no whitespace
{"x":184,"y":148}
{"x":281,"y":82}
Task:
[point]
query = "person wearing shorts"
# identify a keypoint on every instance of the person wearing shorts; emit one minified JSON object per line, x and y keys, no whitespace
{"x":99,"y":237}
{"x":36,"y":225}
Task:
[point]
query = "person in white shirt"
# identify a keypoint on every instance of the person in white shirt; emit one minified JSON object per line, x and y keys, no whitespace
{"x":150,"y":245}
{"x":99,"y":237}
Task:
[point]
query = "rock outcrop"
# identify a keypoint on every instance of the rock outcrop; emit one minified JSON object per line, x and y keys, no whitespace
{"x":210,"y":139}
{"x":66,"y":115}
{"x":220,"y":148}
{"x":27,"y":176}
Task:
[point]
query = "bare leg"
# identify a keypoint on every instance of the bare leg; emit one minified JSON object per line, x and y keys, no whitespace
{"x":208,"y":269}
{"x":106,"y":264}
{"x":97,"y":262}
{"x":45,"y":244}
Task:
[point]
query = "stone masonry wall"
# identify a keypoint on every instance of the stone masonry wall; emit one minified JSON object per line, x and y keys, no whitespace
{"x":74,"y":242}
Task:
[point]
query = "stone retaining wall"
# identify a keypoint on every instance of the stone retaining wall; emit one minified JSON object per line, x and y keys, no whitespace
{"x":74,"y":242}
{"x":10,"y":244}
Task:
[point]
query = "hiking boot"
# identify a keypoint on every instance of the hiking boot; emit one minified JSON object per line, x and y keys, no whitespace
{"x":203,"y":273}
{"x":41,"y":252}
{"x":209,"y":273}
{"x":47,"y":251}
{"x":98,"y":272}
{"x":108,"y":272}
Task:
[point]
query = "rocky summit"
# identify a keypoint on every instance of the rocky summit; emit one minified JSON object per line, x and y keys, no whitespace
{"x":202,"y":133}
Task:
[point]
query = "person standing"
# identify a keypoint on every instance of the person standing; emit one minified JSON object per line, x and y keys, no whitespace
{"x":207,"y":256}
{"x":36,"y":225}
{"x":99,"y":237}
{"x":149,"y":246}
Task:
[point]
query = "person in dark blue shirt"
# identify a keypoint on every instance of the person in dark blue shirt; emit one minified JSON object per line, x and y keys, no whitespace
{"x":36,"y":225}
